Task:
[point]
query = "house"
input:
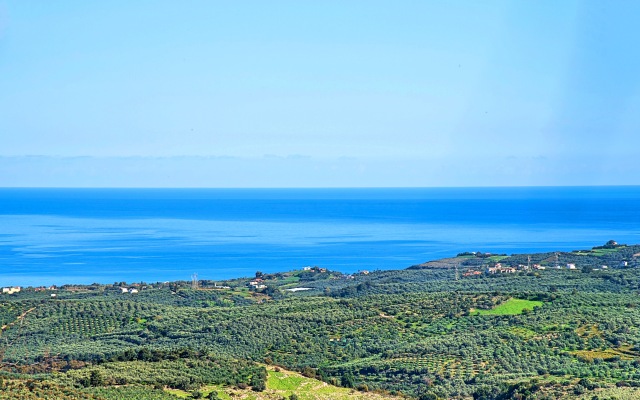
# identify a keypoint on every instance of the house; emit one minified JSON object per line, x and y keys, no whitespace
{"x":215,"y":286}
{"x":365,"y":272}
{"x":571,"y":266}
{"x":499,"y":269}
{"x":604,"y":267}
{"x":261,"y":286}
{"x":124,"y":290}
{"x":306,"y":269}
{"x":624,"y":263}
{"x":11,"y":290}
{"x":472,"y":273}
{"x":133,"y":290}
{"x":53,"y":295}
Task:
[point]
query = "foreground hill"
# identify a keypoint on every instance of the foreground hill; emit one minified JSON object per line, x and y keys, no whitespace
{"x":450,"y":330}
{"x":280,"y":384}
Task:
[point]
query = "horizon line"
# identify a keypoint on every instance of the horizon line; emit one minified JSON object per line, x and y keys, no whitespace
{"x":315,"y":187}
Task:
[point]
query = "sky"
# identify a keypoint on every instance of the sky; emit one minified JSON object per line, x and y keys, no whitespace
{"x":319,"y":93}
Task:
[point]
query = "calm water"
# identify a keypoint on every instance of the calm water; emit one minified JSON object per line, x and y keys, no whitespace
{"x":56,"y":236}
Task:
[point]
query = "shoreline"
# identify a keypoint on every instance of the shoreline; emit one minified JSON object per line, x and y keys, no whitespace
{"x":632,"y":260}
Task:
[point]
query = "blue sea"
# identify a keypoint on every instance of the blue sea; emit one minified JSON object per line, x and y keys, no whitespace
{"x":58,"y":236}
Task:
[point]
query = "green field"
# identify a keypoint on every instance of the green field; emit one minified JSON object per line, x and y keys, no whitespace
{"x":511,"y":307}
{"x":599,"y":252}
{"x":281,"y":384}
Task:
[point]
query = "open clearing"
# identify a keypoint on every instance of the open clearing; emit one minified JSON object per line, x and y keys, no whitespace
{"x":282,"y":384}
{"x":511,"y":307}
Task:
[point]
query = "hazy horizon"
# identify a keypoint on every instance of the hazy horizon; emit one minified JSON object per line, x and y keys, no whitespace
{"x":331,"y":94}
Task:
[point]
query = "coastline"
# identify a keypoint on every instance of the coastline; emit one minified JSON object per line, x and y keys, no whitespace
{"x":53,"y":236}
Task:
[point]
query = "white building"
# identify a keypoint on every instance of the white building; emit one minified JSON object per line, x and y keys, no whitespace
{"x":11,"y":290}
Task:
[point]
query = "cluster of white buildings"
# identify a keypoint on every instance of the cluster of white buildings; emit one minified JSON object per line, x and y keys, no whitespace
{"x":11,"y":290}
{"x":215,"y":286}
{"x":257,"y":283}
{"x":501,"y":269}
{"x":129,"y":290}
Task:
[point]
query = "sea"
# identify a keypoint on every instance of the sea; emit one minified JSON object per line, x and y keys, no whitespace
{"x":82,"y":236}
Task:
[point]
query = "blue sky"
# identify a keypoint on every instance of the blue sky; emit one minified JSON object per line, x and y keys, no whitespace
{"x":330,"y":93}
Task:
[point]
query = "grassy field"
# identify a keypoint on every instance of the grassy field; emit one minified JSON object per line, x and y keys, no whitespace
{"x":284,"y":383}
{"x":281,"y":384}
{"x":599,"y":252}
{"x":510,"y":307}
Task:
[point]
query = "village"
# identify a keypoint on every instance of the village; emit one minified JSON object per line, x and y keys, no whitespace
{"x":498,"y":268}
{"x":267,"y":282}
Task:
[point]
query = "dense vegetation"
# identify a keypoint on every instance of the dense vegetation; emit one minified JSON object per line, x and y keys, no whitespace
{"x":426,"y":332}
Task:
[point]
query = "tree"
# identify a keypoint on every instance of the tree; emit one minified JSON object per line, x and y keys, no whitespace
{"x":348,"y":380}
{"x":257,"y":383}
{"x":96,"y":379}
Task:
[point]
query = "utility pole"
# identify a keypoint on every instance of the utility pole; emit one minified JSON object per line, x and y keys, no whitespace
{"x":457,"y":275}
{"x":194,"y":281}
{"x":528,"y":263}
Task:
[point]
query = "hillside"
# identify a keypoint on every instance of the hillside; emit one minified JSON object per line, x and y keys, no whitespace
{"x":426,"y":332}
